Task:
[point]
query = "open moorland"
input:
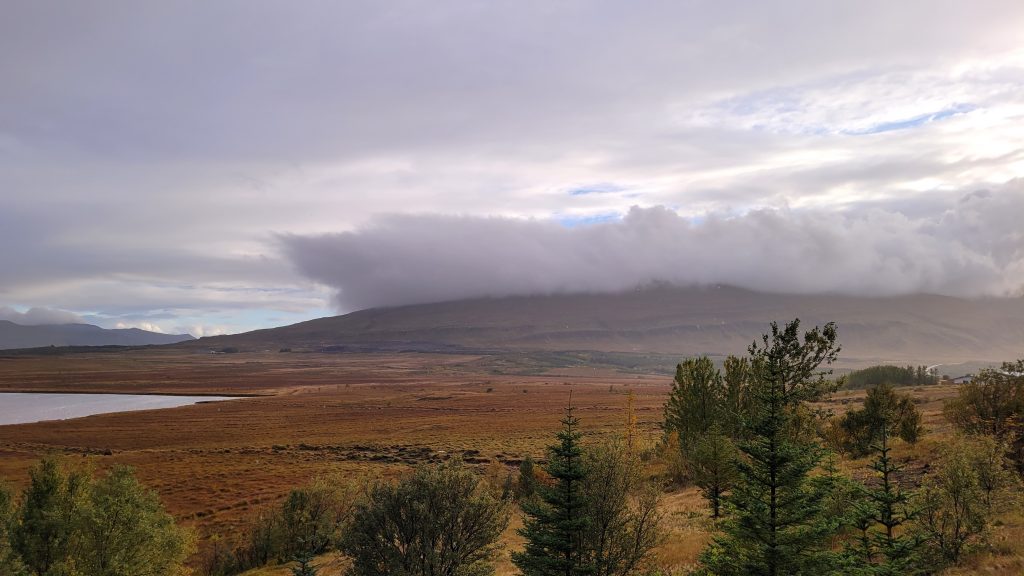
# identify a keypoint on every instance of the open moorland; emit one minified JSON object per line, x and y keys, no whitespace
{"x":364,"y":416}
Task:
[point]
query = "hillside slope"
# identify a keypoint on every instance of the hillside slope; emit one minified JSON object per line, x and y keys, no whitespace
{"x":714,"y":320}
{"x":18,"y":336}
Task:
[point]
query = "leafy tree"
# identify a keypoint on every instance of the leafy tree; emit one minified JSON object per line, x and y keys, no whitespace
{"x":124,"y":530}
{"x":777,"y":526}
{"x":439,"y":520}
{"x":556,"y":522}
{"x":884,"y":409}
{"x":69,"y":524}
{"x":622,"y":511}
{"x":713,"y":467}
{"x":883,"y":513}
{"x":695,"y":403}
{"x":988,"y":459}
{"x":312,"y":516}
{"x":527,"y":485}
{"x":993,"y":403}
{"x":670,"y":452}
{"x":952,"y":502}
{"x":736,"y":400}
{"x":10,"y":564}
{"x":47,"y":518}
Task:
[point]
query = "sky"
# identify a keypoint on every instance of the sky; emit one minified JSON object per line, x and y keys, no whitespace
{"x":215,"y":167}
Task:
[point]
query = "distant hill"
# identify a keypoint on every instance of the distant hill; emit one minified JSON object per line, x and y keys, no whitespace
{"x":668,"y":320}
{"x":17,"y":336}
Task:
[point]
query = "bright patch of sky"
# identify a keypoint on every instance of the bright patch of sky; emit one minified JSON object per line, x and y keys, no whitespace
{"x":147,"y":180}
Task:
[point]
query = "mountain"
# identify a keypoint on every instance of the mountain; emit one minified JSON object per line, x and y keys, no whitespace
{"x":666,"y":320}
{"x":17,"y":336}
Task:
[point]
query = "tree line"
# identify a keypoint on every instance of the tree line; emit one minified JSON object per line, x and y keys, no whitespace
{"x":752,"y":436}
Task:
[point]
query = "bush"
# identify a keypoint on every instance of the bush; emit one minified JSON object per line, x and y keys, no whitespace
{"x":308,"y":522}
{"x":68,"y":523}
{"x":993,"y":404}
{"x":439,"y":520}
{"x":858,"y":430}
{"x":953,"y":502}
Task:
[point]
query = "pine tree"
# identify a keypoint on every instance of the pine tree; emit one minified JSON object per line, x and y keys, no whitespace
{"x":304,"y":566}
{"x":777,"y":526}
{"x":555,"y":522}
{"x":882,"y":512}
{"x":695,"y":402}
{"x":713,"y":467}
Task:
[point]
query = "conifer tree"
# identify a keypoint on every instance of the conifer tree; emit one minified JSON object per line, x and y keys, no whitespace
{"x":881,"y":514}
{"x":713,"y":467}
{"x":777,"y":526}
{"x":304,"y":566}
{"x":695,"y":402}
{"x":555,"y":522}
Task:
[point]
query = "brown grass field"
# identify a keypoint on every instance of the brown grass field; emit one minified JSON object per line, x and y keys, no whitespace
{"x":366,"y":416}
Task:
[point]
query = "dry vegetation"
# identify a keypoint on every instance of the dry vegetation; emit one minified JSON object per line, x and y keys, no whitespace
{"x":366,"y":415}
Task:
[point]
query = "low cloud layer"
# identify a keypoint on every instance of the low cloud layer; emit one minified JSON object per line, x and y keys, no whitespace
{"x":39,"y":316}
{"x":144,"y":179}
{"x":965,"y":245}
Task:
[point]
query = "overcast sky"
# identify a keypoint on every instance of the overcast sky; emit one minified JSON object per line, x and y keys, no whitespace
{"x":222,"y":166}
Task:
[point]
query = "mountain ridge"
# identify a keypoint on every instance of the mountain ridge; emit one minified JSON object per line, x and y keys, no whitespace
{"x":16,"y":336}
{"x":685,"y":321}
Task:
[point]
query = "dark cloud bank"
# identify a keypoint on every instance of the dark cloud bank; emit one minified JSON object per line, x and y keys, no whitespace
{"x":965,"y":245}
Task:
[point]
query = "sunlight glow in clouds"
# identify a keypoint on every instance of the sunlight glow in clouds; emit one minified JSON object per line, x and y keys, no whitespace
{"x":146,"y":180}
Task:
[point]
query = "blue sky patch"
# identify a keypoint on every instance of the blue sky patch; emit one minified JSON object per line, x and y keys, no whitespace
{"x":573,"y":221}
{"x":915,"y":121}
{"x":603,"y":188}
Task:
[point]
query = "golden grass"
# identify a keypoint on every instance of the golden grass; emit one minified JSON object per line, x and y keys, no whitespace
{"x":371,"y":415}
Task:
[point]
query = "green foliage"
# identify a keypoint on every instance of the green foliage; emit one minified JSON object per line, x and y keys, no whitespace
{"x":69,"y":524}
{"x":696,"y":400}
{"x":439,"y":520}
{"x":777,"y":525}
{"x":882,"y":513}
{"x":124,"y":530}
{"x":308,"y":522}
{"x":952,"y":503}
{"x":735,"y":405}
{"x":555,"y":523}
{"x":993,"y":403}
{"x":623,"y":522}
{"x":884,"y":409}
{"x":526,"y":487}
{"x":713,"y":467}
{"x":703,"y":414}
{"x":10,"y":564}
{"x":892,"y":376}
{"x":312,"y":517}
{"x":44,"y":536}
{"x":304,"y":566}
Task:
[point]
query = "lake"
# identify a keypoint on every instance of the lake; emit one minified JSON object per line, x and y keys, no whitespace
{"x":23,"y":408}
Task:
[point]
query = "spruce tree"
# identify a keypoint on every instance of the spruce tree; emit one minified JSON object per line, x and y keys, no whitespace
{"x":555,"y":522}
{"x":883,"y":510}
{"x":695,"y":403}
{"x":713,"y":467}
{"x":777,"y":526}
{"x":304,"y":566}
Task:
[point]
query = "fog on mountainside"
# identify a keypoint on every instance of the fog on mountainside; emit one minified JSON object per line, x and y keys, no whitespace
{"x":668,"y":320}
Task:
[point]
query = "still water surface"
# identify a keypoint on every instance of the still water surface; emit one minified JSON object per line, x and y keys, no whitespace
{"x":22,"y":408}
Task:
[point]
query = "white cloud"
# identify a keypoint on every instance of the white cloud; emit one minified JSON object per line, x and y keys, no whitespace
{"x":37,"y":316}
{"x":143,"y":179}
{"x":969,"y":246}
